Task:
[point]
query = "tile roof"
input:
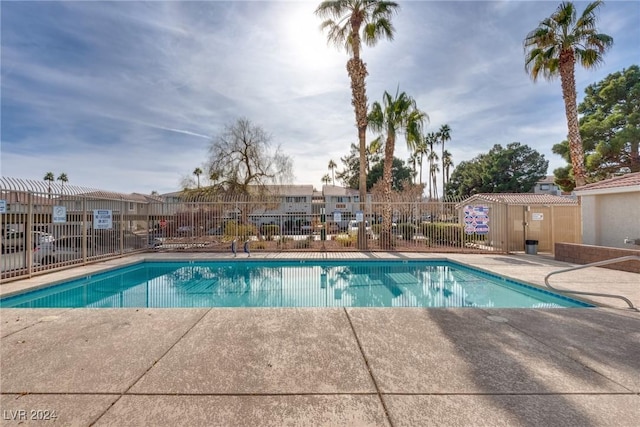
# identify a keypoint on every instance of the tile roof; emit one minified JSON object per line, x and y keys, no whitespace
{"x":626,"y":180}
{"x":549,"y":179}
{"x":522,"y":199}
{"x":334,"y":190}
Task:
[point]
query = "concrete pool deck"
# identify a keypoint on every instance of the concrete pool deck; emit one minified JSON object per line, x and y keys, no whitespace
{"x":329,"y":366}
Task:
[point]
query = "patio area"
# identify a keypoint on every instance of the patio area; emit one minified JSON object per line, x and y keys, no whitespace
{"x":338,"y":366}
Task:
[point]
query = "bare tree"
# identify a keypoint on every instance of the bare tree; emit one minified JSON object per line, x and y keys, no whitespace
{"x":242,"y":159}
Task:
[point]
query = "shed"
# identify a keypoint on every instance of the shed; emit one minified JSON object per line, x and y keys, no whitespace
{"x":611,"y":211}
{"x":517,"y":217}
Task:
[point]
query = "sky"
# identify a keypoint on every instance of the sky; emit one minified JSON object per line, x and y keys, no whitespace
{"x":128,"y":96}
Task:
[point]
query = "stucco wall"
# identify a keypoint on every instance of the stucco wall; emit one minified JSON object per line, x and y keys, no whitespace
{"x":607,"y":219}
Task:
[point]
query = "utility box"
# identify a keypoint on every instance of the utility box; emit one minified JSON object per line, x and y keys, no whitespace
{"x":531,"y":247}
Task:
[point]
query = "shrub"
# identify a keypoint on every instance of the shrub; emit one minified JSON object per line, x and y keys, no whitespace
{"x":258,"y":245}
{"x":302,"y":244}
{"x":444,"y":234}
{"x":282,"y":242}
{"x":346,"y":240}
{"x":268,"y":231}
{"x":406,"y":230}
{"x":242,"y":231}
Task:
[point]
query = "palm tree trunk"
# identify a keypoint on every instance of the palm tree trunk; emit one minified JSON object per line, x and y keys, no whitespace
{"x":357,"y":72}
{"x":430,"y":180}
{"x":435,"y":188}
{"x":443,"y":168}
{"x":387,"y":210}
{"x":568,"y":82}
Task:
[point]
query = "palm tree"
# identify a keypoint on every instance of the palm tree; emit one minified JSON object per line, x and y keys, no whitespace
{"x":445,"y":135}
{"x":326,"y":179}
{"x":413,"y":162}
{"x":197,"y":172}
{"x":430,"y":139}
{"x":49,"y":177}
{"x":332,"y":167}
{"x":434,"y":172}
{"x":63,"y":178}
{"x":420,"y":151}
{"x":553,"y":48}
{"x":344,"y":21}
{"x":447,"y":164}
{"x":395,"y":115}
{"x":374,"y":149}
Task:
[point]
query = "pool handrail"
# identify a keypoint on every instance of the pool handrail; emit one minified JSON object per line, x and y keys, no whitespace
{"x":594,"y":264}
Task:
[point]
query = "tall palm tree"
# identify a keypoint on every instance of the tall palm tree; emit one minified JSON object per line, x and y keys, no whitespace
{"x":553,"y":49}
{"x":413,"y":162}
{"x":395,"y":115}
{"x":447,"y":164}
{"x":430,"y":139}
{"x":420,"y":151}
{"x":49,"y":177}
{"x":332,"y":168}
{"x":445,"y":135}
{"x":326,"y":179}
{"x":433,"y":170}
{"x":348,"y":24}
{"x":63,"y":178}
{"x":197,"y":172}
{"x":434,"y":173}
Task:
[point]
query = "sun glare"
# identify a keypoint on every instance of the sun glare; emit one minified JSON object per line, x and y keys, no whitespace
{"x":307,"y":43}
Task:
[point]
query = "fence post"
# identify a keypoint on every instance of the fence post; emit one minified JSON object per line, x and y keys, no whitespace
{"x":28,"y":250}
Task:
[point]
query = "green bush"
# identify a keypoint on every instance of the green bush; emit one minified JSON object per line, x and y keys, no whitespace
{"x":346,"y":240}
{"x":268,"y":231}
{"x":302,"y":244}
{"x":242,"y":231}
{"x":282,"y":242}
{"x":406,"y":230}
{"x":444,"y":233}
{"x":258,"y":245}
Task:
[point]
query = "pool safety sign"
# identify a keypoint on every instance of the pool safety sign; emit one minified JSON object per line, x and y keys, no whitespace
{"x":59,"y":214}
{"x":535,"y":216}
{"x":102,"y":219}
{"x":476,"y":219}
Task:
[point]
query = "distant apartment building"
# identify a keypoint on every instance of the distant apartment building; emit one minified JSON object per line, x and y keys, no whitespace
{"x":547,"y":186}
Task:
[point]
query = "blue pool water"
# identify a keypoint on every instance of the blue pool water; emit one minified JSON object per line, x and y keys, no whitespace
{"x":308,"y":283}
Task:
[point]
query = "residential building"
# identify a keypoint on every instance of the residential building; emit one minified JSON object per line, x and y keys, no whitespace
{"x":611,"y":212}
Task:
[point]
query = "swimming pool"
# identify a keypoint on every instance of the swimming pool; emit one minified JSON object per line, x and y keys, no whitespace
{"x":300,"y":283}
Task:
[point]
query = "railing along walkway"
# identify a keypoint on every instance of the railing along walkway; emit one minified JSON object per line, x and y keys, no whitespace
{"x":594,"y":264}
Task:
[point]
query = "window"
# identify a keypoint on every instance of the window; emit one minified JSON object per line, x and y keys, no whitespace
{"x":544,"y":187}
{"x":296,"y":199}
{"x":132,"y":206}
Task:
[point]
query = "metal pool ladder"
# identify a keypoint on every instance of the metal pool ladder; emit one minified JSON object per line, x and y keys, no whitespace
{"x":594,"y":264}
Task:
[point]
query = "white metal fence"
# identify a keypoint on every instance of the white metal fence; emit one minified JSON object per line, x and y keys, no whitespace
{"x":46,"y":227}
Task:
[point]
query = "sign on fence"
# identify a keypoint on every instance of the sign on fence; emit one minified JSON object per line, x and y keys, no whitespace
{"x":476,"y":219}
{"x":102,"y":219}
{"x":59,"y":214}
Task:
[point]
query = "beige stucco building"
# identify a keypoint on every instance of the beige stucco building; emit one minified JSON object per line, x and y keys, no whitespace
{"x":611,"y":211}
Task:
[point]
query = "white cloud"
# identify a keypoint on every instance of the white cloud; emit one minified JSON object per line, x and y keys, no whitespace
{"x":125,"y":96}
